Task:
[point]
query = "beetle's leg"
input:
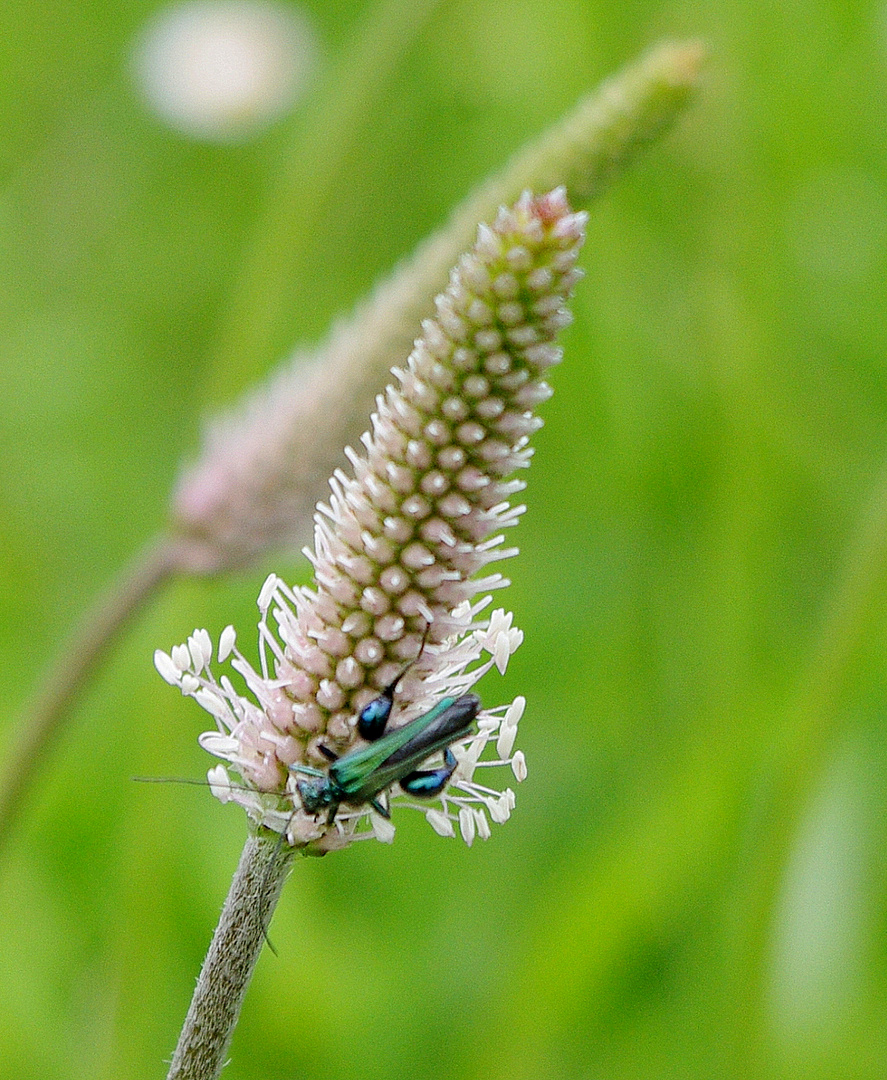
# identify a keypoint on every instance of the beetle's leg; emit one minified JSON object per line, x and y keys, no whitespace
{"x":373,"y":717}
{"x":426,"y":783}
{"x":306,"y":770}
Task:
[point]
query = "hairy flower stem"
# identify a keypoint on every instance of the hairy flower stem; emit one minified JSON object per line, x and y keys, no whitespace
{"x":66,"y":679}
{"x":229,"y":964}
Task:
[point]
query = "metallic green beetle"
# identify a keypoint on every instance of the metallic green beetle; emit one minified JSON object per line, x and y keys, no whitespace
{"x":361,"y":775}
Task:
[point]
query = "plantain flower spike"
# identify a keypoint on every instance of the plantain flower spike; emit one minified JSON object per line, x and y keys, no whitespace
{"x":401,"y":552}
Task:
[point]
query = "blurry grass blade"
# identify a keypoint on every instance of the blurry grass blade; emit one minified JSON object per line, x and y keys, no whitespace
{"x":256,"y":327}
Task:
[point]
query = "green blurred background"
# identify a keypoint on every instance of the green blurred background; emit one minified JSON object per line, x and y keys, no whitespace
{"x":693,"y":883}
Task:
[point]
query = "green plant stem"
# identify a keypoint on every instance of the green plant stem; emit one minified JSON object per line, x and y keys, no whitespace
{"x":231,"y":960}
{"x":41,"y":719}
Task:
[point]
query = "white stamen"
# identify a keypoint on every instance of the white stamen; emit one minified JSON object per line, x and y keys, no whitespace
{"x":467,"y":825}
{"x":439,"y":821}
{"x":227,"y":641}
{"x":169,"y":671}
{"x":383,"y":828}
{"x":483,"y":826}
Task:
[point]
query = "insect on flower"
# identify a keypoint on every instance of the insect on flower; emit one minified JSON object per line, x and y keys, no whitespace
{"x":406,"y":535}
{"x":362,"y":775}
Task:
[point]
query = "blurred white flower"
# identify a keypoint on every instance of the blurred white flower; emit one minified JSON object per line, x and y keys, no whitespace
{"x":221,"y":70}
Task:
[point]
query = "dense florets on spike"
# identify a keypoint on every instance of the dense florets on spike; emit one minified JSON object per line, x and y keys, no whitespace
{"x":401,"y":543}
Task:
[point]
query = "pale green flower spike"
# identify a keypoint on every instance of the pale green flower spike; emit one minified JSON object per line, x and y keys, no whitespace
{"x":262,"y":468}
{"x":398,"y":550}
